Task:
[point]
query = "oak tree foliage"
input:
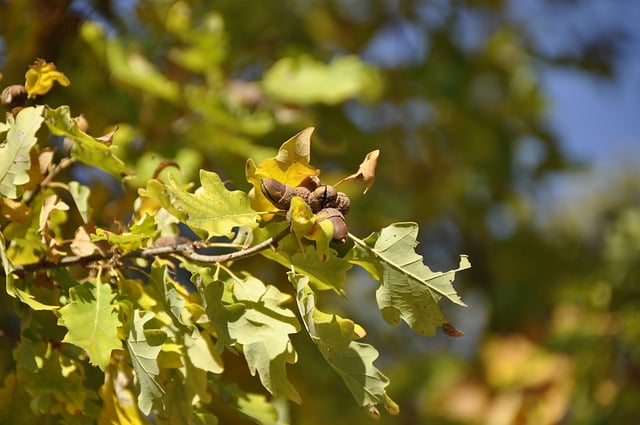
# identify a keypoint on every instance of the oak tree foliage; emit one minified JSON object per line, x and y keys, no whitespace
{"x":131,"y":323}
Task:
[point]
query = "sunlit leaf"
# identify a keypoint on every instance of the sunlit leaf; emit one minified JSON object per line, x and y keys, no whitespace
{"x":329,"y":273}
{"x":269,"y":358}
{"x":144,"y":358}
{"x":213,"y":207}
{"x":41,"y":76}
{"x":15,"y":160}
{"x":202,"y":355}
{"x":290,"y":167}
{"x":49,"y":206}
{"x":305,"y":224}
{"x":140,"y":232}
{"x":85,"y":148}
{"x":334,"y":336}
{"x":80,"y":195}
{"x":92,"y":321}
{"x":408,"y":289}
{"x":134,"y":69}
{"x":366,"y":171}
{"x":304,"y":80}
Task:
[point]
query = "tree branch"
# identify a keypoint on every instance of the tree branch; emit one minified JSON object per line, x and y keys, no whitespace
{"x":185,"y":250}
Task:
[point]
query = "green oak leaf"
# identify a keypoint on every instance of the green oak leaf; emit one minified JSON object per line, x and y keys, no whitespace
{"x":85,"y":148}
{"x":80,"y":195}
{"x":304,"y":80}
{"x":334,"y":336}
{"x":144,"y":358}
{"x":269,"y":358}
{"x":328,"y":273}
{"x":221,"y":312}
{"x":408,"y":289}
{"x":245,"y":311}
{"x":14,"y":150}
{"x":263,"y":314}
{"x":213,"y":208}
{"x":12,"y":392}
{"x":92,"y":321}
{"x":50,"y":376}
{"x":137,"y":236}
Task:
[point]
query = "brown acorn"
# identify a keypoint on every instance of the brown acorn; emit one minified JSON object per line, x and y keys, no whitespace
{"x":323,"y":197}
{"x":340,"y":230}
{"x":14,"y":96}
{"x":343,"y":203}
{"x":279,"y":194}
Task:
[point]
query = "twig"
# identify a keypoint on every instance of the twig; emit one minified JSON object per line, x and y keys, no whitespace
{"x":185,"y":250}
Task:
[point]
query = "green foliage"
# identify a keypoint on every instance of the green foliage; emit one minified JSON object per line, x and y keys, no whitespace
{"x":304,"y":80}
{"x":15,"y":159}
{"x":92,"y":321}
{"x":148,"y":336}
{"x":408,"y":289}
{"x":459,"y":115}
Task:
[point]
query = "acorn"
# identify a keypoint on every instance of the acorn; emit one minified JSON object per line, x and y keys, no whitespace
{"x":343,"y":203}
{"x":340,"y":230}
{"x":310,"y":182}
{"x":279,"y":194}
{"x":323,"y":197}
{"x":14,"y":96}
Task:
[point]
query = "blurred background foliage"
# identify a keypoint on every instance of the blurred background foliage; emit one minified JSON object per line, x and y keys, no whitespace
{"x":450,"y":92}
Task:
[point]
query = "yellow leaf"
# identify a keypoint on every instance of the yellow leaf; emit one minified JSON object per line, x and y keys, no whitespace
{"x":304,"y":223}
{"x":290,"y":166}
{"x":41,"y":76}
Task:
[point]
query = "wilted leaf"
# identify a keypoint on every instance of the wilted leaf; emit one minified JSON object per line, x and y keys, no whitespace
{"x":304,"y":80}
{"x":366,"y":171}
{"x":85,"y":148}
{"x":41,"y":76}
{"x":290,"y":166}
{"x":81,"y":244}
{"x":334,"y":337}
{"x":15,"y":160}
{"x":92,"y":321}
{"x":408,"y":289}
{"x":213,"y":207}
{"x":49,"y":205}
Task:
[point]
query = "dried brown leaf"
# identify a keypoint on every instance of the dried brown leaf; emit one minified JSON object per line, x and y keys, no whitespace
{"x":366,"y":171}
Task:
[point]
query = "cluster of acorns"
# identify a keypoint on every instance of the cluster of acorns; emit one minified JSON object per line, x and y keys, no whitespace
{"x":323,"y":199}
